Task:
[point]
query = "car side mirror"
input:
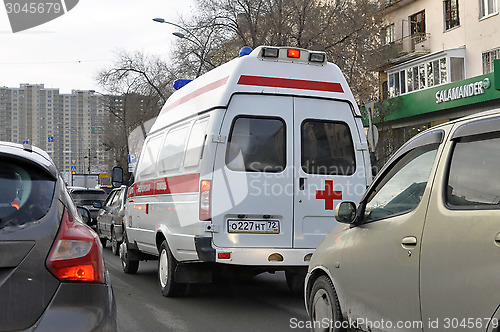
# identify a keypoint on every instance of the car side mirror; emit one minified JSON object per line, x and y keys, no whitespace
{"x":97,"y":205}
{"x":117,"y":177}
{"x":345,"y":212}
{"x":84,"y":214}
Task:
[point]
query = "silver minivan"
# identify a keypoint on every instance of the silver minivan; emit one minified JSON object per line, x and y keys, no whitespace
{"x":421,"y":251}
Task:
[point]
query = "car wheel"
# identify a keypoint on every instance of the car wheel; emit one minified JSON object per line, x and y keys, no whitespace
{"x":166,"y":268}
{"x":115,"y":246}
{"x":295,"y":282}
{"x":324,"y":306}
{"x":129,"y":266}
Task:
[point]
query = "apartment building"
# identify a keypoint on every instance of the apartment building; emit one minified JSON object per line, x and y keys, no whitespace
{"x":436,"y":64}
{"x":70,"y":127}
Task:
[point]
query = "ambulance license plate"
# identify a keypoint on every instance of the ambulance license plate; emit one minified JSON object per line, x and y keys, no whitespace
{"x":253,"y":226}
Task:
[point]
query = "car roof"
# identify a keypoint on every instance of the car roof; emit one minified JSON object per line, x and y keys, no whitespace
{"x":469,"y":118}
{"x":30,"y":153}
{"x":92,"y":190}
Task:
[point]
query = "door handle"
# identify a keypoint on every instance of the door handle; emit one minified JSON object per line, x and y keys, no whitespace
{"x":409,"y":242}
{"x":497,"y":239}
{"x":302,"y":182}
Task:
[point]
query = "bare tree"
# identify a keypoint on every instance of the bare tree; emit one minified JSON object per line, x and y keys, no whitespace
{"x":344,"y":29}
{"x":139,"y":86}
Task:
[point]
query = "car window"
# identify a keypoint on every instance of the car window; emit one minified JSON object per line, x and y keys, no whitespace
{"x":110,"y":198}
{"x":474,"y":174}
{"x":88,"y":196}
{"x":402,"y":187}
{"x":147,"y":161}
{"x":116,"y":199}
{"x":172,"y":151}
{"x":123,"y":196}
{"x":26,"y":193}
{"x":257,"y":144}
{"x":195,"y":143}
{"x":327,"y":148}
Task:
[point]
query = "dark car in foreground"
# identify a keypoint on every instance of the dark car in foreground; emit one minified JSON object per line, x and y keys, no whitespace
{"x":92,"y":199}
{"x":52,"y":273}
{"x":110,"y":218}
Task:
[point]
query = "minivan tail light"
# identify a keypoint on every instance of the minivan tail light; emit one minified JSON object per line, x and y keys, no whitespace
{"x":205,"y":194}
{"x":76,"y":255}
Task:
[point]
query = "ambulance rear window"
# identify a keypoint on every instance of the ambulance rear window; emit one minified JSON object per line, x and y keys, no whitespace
{"x":327,"y":148}
{"x":257,"y":144}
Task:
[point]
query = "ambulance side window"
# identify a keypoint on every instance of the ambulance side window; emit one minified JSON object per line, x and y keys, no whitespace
{"x":257,"y":144}
{"x":195,"y":143}
{"x":327,"y":148}
{"x":172,"y":152}
{"x":147,"y":160}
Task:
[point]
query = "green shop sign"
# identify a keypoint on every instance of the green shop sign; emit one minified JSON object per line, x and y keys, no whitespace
{"x":470,"y":91}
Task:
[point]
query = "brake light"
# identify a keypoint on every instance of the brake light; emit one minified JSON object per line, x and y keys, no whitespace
{"x":76,"y":254}
{"x":293,"y":53}
{"x":205,"y":194}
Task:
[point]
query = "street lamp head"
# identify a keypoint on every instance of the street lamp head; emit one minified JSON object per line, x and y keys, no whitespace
{"x":179,"y":34}
{"x":159,"y":20}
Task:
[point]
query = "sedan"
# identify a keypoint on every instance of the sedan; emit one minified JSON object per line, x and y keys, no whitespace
{"x":110,"y":218}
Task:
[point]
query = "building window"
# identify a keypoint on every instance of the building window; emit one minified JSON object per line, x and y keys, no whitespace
{"x":390,"y":34}
{"x":417,"y":23}
{"x":451,"y":14}
{"x":487,"y":8}
{"x":488,"y":59}
{"x":425,"y":75}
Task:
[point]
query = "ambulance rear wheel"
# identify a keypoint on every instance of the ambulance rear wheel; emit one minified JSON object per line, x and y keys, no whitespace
{"x":166,"y":269}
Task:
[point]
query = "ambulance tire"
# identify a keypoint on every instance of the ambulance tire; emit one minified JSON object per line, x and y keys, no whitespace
{"x":295,"y":282}
{"x":129,"y":266}
{"x":166,"y":270}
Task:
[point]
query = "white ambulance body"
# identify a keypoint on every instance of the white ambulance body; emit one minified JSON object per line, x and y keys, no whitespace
{"x":244,"y":167}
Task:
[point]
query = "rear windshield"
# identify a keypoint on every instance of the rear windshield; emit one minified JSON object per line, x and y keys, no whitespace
{"x":88,"y":197}
{"x":26,"y":193}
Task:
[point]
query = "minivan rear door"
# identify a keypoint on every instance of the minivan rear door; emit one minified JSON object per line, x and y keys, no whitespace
{"x":252,"y":192}
{"x":329,"y":166}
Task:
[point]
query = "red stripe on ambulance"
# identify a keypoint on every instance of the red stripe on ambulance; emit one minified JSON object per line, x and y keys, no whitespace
{"x":181,"y":184}
{"x":288,"y":83}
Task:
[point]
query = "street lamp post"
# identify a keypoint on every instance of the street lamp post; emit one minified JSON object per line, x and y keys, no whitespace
{"x":203,"y":56}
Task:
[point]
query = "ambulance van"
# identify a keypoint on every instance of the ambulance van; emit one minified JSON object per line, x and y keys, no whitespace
{"x":243,"y":168}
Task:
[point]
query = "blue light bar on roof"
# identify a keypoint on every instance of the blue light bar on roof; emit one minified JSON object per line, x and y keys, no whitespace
{"x":180,"y":83}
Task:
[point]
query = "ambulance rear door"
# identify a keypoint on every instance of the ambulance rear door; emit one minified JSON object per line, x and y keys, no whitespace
{"x":252,"y":190}
{"x":328,"y":164}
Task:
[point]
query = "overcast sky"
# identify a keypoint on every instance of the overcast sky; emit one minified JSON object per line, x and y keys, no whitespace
{"x":67,"y":52}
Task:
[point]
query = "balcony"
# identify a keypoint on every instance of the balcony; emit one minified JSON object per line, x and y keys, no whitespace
{"x":391,"y":5}
{"x":401,"y":50}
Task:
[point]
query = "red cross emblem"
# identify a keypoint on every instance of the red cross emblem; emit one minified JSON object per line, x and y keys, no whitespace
{"x":328,"y":194}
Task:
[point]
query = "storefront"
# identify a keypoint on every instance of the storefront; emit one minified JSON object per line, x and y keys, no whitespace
{"x":400,"y":118}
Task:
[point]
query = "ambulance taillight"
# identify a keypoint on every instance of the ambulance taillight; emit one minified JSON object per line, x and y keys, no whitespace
{"x":205,"y":194}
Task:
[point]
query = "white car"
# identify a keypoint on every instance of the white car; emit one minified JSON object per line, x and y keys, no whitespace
{"x":421,"y":252}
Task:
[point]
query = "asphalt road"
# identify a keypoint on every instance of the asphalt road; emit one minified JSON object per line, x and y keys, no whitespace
{"x":262,"y":303}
